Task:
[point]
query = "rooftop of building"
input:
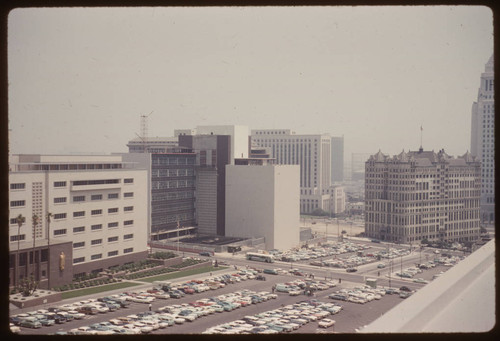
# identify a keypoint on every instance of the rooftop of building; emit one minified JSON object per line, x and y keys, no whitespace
{"x":425,"y":158}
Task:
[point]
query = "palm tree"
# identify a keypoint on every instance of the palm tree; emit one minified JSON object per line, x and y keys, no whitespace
{"x":35,"y":223}
{"x":20,"y":220}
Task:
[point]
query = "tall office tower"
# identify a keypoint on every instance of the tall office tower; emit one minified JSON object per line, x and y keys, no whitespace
{"x":98,"y":208}
{"x":213,"y":153}
{"x":337,"y":159}
{"x":483,"y":140}
{"x":312,"y":153}
{"x":171,"y":191}
{"x":422,"y":195}
{"x":151,"y":144}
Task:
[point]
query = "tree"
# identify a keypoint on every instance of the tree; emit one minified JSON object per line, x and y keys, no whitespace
{"x":49,"y":216}
{"x":20,"y":221}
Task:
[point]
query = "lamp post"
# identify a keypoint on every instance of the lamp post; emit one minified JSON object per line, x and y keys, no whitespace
{"x":49,"y":215}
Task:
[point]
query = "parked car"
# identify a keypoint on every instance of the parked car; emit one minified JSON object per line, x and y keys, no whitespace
{"x":206,"y":254}
{"x":351,"y":270}
{"x":260,"y":278}
{"x":381,"y":266}
{"x":404,"y":288}
{"x":325,"y":323}
{"x":30,"y":322}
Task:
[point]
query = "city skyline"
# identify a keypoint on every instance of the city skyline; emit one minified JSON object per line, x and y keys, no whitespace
{"x":372,"y":74}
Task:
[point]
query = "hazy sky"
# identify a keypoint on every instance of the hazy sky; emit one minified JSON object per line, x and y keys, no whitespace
{"x":79,"y":78}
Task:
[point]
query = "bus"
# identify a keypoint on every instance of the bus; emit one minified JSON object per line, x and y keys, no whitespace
{"x":260,"y":257}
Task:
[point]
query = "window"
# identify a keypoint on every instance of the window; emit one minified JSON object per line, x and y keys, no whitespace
{"x":96,"y":242}
{"x":96,"y":256}
{"x":60,"y":232}
{"x":79,"y":214}
{"x":113,"y":210}
{"x":60,"y":184}
{"x":112,"y":253}
{"x":96,"y":227}
{"x":79,"y":244}
{"x":113,"y":224}
{"x":78,"y":260}
{"x":95,"y":182}
{"x":60,"y":200}
{"x":17,"y":186}
{"x":112,"y":239}
{"x":96,"y":212}
{"x":60,"y":216}
{"x":128,"y":222}
{"x":79,"y":198}
{"x":96,"y":197}
{"x":128,"y":208}
{"x":113,"y":196}
{"x":13,"y":220}
{"x":128,"y":250}
{"x":15,"y":238}
{"x":128,"y":236}
{"x":128,"y":194}
{"x":129,"y":181}
{"x":78,"y":229}
{"x":17,"y":203}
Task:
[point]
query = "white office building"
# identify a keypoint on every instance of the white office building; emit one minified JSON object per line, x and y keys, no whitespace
{"x":483,"y":139}
{"x":312,"y":153}
{"x":97,"y":203}
{"x":263,"y":201}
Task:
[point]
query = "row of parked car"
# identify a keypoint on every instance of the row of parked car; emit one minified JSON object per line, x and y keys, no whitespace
{"x":326,"y":250}
{"x":365,"y":294}
{"x":66,"y":313}
{"x":306,"y":286}
{"x":281,"y":320}
{"x":170,"y":315}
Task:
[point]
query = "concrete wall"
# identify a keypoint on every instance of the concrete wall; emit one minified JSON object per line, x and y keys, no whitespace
{"x":263,"y":201}
{"x":206,"y":200}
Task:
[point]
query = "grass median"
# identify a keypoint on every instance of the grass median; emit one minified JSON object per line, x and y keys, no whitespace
{"x":96,"y":290}
{"x":183,"y":273}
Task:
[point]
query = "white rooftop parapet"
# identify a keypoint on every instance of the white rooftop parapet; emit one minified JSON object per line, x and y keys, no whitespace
{"x":460,"y":300}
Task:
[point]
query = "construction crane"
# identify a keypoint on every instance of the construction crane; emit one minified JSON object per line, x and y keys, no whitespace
{"x":144,"y":125}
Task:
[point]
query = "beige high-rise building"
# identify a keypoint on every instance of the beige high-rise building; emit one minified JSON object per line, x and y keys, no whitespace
{"x":483,"y":139}
{"x":422,"y":195}
{"x":312,"y":153}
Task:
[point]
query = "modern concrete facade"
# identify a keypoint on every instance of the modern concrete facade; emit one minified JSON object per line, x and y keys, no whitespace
{"x":337,"y":159}
{"x":171,"y":191}
{"x":337,"y":199}
{"x":483,"y":139}
{"x":422,"y":195}
{"x":312,"y":153}
{"x":98,"y":214}
{"x":263,"y":201}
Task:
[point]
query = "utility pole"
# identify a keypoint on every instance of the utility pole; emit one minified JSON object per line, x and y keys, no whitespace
{"x":49,"y":215}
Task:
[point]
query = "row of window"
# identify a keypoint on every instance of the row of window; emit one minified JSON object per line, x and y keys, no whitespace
{"x":99,"y":255}
{"x":96,"y":227}
{"x":93,"y":182}
{"x":92,"y":212}
{"x":99,"y":241}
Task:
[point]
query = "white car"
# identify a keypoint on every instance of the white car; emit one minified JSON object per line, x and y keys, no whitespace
{"x":325,"y":323}
{"x":76,"y":315}
{"x":145,"y":329}
{"x":132,"y":328}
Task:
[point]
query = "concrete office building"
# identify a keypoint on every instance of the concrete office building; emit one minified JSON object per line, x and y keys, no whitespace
{"x":98,"y":216}
{"x":337,"y":199}
{"x":263,"y":201}
{"x":422,"y":195}
{"x":483,"y":139}
{"x":171,"y":191}
{"x":312,"y":153}
{"x":337,"y":159}
{"x":213,"y":153}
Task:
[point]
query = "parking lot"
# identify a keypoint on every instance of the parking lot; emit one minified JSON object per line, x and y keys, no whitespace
{"x":351,"y":317}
